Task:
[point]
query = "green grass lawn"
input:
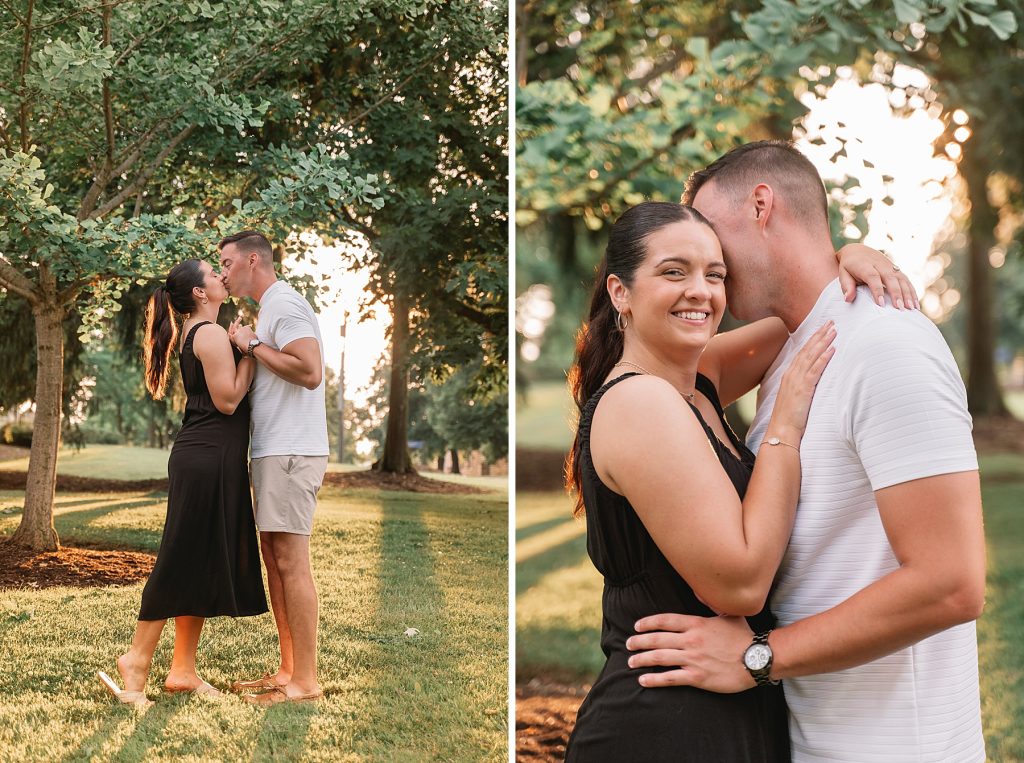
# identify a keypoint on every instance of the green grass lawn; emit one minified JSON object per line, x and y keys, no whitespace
{"x":558,"y":600}
{"x":124,"y":462}
{"x":383,"y":562}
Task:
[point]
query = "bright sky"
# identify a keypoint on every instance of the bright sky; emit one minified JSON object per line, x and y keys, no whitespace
{"x":365,"y":340}
{"x":899,"y":146}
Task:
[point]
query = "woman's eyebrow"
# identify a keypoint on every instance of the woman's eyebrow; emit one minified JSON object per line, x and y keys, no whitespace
{"x":687,"y":263}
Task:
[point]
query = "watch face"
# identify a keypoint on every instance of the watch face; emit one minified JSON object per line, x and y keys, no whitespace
{"x":757,"y":656}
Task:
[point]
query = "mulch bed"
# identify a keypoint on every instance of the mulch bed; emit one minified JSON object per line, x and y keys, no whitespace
{"x":78,"y":567}
{"x":545,"y":714}
{"x":413,"y":483}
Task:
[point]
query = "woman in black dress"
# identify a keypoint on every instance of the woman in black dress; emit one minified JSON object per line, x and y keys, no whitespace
{"x":678,"y":518}
{"x":208,"y":563}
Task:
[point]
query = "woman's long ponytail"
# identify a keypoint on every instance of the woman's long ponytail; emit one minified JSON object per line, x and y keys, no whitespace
{"x":161,"y":333}
{"x":173,"y":296}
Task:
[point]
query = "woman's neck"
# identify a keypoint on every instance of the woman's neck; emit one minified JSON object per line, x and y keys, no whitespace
{"x":679,"y":369}
{"x":207,"y":312}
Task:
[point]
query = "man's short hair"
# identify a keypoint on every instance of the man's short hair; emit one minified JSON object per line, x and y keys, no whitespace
{"x":252,"y":241}
{"x":776,"y":162}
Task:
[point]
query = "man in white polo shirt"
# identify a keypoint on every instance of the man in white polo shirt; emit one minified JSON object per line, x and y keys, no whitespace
{"x":884,"y":574}
{"x":289,"y":452}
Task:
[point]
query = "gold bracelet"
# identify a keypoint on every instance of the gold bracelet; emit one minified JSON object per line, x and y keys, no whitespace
{"x":777,"y":441}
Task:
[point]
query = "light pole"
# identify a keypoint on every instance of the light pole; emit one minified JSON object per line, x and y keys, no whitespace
{"x":341,"y":392}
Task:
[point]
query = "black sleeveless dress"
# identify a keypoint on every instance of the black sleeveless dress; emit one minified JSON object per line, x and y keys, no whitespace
{"x":620,"y":720}
{"x":209,"y":562}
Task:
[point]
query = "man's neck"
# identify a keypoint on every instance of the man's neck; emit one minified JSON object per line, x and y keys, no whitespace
{"x":800,"y":282}
{"x":260,"y":283}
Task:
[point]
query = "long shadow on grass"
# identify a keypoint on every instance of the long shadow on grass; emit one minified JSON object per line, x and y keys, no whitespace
{"x":135,"y":747}
{"x":528,"y":531}
{"x":410,"y":714}
{"x":568,"y":553}
{"x":77,"y":525}
{"x":283,"y":732}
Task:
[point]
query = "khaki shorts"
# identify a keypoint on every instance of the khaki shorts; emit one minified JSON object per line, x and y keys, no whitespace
{"x":285,"y":488}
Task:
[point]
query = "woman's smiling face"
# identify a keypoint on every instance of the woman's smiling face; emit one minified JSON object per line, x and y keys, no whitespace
{"x":677,"y":297}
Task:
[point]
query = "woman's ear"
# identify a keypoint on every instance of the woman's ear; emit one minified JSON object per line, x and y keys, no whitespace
{"x":619,"y":294}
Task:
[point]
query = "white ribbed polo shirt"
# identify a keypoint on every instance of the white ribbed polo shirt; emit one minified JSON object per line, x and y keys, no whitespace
{"x":890,"y":408}
{"x":287,"y":419}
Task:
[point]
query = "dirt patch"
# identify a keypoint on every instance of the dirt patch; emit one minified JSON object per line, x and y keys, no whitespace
{"x":540,"y":469}
{"x":67,"y":483}
{"x":999,"y":435}
{"x":545,"y":715}
{"x":78,"y":567}
{"x":412,"y":483}
{"x":12,"y":452}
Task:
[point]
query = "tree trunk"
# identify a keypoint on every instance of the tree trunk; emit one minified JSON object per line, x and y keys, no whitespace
{"x":984,"y":398}
{"x":455,"y":461}
{"x":440,"y":463}
{"x":396,"y":459}
{"x":36,"y":529}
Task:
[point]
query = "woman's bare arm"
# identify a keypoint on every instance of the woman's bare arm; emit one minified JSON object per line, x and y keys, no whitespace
{"x":226,"y":381}
{"x":736,"y":361}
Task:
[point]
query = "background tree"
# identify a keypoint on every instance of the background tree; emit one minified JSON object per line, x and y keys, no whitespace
{"x":438,"y":249}
{"x":618,"y":104}
{"x":88,"y":142}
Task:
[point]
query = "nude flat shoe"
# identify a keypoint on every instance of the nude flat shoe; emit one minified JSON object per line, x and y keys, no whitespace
{"x":278,"y":695}
{"x":137,"y":698}
{"x":203,"y":690}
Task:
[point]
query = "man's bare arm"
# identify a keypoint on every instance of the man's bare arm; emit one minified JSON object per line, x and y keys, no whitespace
{"x":297,"y":362}
{"x":935,"y":528}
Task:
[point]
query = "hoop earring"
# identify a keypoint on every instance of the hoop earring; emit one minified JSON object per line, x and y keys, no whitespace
{"x":205,"y":301}
{"x":620,"y":321}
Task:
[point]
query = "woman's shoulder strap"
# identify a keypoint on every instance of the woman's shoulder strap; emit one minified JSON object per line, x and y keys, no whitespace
{"x":705,"y":386}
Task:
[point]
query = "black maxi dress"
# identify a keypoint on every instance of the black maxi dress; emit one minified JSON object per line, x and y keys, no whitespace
{"x":622,"y":721}
{"x":208,"y":563}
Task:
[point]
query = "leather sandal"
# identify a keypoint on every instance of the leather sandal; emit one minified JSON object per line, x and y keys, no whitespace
{"x":278,"y":695}
{"x":254,"y":684}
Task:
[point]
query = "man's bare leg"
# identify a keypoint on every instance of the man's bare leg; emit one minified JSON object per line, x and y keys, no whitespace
{"x":182,"y":675}
{"x":279,"y":608}
{"x":291,"y":554}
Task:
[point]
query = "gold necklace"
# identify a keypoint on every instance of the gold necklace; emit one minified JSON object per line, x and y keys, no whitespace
{"x":688,"y":395}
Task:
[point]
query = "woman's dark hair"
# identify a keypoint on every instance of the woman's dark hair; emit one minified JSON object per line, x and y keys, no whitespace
{"x":173,"y":296}
{"x":599,"y":341}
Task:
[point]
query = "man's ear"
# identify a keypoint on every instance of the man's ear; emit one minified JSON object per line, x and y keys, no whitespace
{"x":619,"y":294}
{"x":764,"y":203}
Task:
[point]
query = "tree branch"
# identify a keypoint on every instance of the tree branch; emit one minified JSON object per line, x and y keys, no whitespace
{"x":352,"y":220}
{"x":143,"y":177}
{"x":11,"y":278}
{"x":82,"y":11}
{"x":108,"y":111}
{"x":10,"y":9}
{"x":26,"y":51}
{"x":397,"y":89}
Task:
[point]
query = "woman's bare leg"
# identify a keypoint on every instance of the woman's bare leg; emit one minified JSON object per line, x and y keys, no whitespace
{"x":182,"y":675}
{"x":134,"y":664}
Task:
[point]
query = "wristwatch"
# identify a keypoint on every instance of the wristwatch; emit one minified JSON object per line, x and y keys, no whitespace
{"x":757,"y":659}
{"x":253,"y":344}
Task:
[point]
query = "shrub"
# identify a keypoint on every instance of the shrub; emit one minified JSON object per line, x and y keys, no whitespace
{"x":18,"y":434}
